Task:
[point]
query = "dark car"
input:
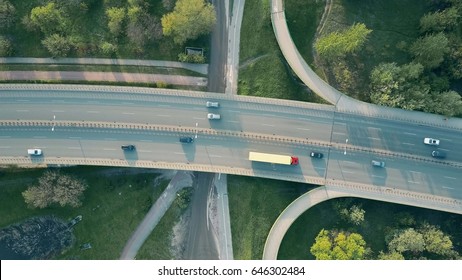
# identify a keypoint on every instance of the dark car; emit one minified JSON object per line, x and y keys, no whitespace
{"x":186,"y":139}
{"x":438,"y":154}
{"x":316,"y":155}
{"x":128,"y":147}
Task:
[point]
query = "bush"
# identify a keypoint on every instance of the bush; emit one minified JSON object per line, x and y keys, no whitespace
{"x":6,"y":48}
{"x":57,"y":45}
{"x":192,"y":58}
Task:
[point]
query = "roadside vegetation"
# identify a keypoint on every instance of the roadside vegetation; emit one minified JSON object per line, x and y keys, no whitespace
{"x":406,"y":53}
{"x":332,"y":230}
{"x":115,"y":202}
{"x":103,"y":28}
{"x":254,"y":205}
{"x":263,"y":71}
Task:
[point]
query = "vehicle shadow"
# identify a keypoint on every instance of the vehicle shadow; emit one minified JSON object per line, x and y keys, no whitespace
{"x":131,"y":157}
{"x":189,"y":149}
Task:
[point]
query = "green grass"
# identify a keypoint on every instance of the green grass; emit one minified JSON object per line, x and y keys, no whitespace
{"x":158,"y":244}
{"x":114,"y":205}
{"x":254,"y":205}
{"x":302,"y":19}
{"x":300,"y":237}
{"x":100,"y":68}
{"x":263,"y":70}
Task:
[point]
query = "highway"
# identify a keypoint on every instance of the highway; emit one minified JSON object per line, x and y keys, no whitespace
{"x":247,"y":124}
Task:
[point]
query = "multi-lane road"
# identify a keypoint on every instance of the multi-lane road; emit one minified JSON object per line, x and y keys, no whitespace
{"x":349,"y":141}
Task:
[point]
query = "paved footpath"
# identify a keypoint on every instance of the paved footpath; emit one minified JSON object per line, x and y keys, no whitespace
{"x":199,"y":68}
{"x":101,"y":76}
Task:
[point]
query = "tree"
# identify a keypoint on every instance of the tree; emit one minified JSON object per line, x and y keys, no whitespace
{"x":440,"y":21}
{"x":189,"y":20}
{"x":49,"y":19}
{"x":108,"y":48}
{"x":390,"y":256}
{"x":338,"y":246}
{"x":430,"y":50}
{"x":55,"y":188}
{"x":399,"y":86}
{"x":57,"y":45}
{"x":116,"y":17}
{"x":7,"y":14}
{"x":436,"y":241}
{"x":408,"y":240}
{"x":5,"y":46}
{"x":339,"y":44}
{"x":447,"y":103}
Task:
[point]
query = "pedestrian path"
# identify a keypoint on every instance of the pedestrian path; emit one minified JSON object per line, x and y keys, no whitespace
{"x":102,"y":76}
{"x":199,"y":68}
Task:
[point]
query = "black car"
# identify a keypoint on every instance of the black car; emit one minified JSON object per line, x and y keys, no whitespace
{"x":316,"y":155}
{"x":185,"y":139}
{"x":438,"y":154}
{"x":128,"y":147}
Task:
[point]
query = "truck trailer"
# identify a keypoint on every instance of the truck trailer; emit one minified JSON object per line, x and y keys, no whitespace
{"x":272,"y":158}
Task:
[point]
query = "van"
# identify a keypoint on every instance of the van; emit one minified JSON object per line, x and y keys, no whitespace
{"x":185,"y":139}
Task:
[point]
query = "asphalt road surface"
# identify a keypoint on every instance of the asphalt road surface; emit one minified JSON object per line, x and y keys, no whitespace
{"x":409,"y":164}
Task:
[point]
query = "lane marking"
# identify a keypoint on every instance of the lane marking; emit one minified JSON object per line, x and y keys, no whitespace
{"x":144,"y":151}
{"x":447,"y":177}
{"x":179,"y":153}
{"x":164,"y":105}
{"x":127,"y":103}
{"x":93,"y":112}
{"x":445,"y":139}
{"x":5,"y":147}
{"x":72,"y":137}
{"x":413,"y":182}
{"x":39,"y":137}
{"x":128,"y":113}
{"x":410,"y":144}
{"x":57,"y":111}
{"x":163,"y":116}
{"x":145,"y":140}
{"x":338,"y":133}
{"x":344,"y":171}
{"x":109,"y":149}
{"x":234,"y":111}
{"x":444,"y":149}
{"x":377,"y":176}
{"x":265,"y":124}
{"x":110,"y":139}
{"x":20,"y":110}
{"x":408,"y":133}
{"x":306,"y":129}
{"x":371,"y":127}
{"x":22,"y":100}
{"x":449,"y":188}
{"x":414,"y":171}
{"x":73,"y":148}
{"x":215,"y":156}
{"x":233,"y":121}
{"x":3,"y":136}
{"x":374,"y":138}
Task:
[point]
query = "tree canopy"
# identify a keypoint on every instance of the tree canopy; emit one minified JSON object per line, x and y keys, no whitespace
{"x":49,"y":19}
{"x":55,"y":188}
{"x":338,"y":44}
{"x":430,"y":50}
{"x":189,"y":20}
{"x":330,"y":245}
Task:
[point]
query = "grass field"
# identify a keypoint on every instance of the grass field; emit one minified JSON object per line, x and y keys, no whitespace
{"x":254,"y":205}
{"x":115,"y":202}
{"x":263,"y":71}
{"x":303,"y":18}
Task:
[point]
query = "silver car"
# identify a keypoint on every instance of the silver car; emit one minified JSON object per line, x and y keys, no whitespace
{"x":211,"y":104}
{"x":377,"y":163}
{"x":211,"y":116}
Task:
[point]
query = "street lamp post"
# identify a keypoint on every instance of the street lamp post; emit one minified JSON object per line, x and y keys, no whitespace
{"x":346,"y":143}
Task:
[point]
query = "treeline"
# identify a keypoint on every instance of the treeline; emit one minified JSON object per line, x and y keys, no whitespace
{"x":426,"y":83}
{"x":103,"y":27}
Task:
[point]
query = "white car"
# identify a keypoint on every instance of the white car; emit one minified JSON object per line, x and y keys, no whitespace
{"x":34,"y":152}
{"x":431,"y":141}
{"x":211,"y":104}
{"x":211,"y":116}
